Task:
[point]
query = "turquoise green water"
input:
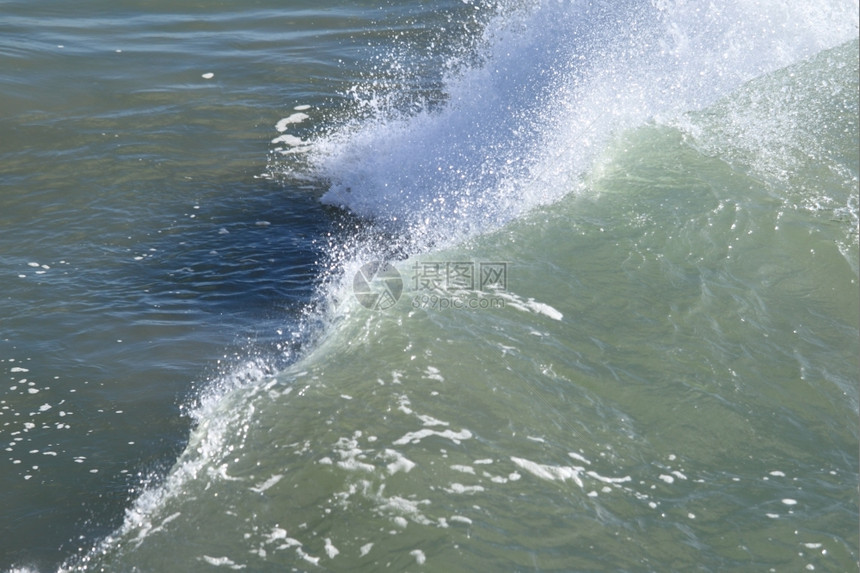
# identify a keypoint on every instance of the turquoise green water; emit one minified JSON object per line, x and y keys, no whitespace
{"x":670,"y":385}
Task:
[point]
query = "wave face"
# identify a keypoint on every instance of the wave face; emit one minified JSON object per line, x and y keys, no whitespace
{"x":555,"y":81}
{"x":653,"y":366}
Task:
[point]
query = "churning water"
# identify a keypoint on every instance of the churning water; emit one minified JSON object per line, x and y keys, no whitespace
{"x":459,"y":286}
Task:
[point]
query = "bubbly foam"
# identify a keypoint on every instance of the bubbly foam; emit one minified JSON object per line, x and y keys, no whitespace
{"x":556,"y":81}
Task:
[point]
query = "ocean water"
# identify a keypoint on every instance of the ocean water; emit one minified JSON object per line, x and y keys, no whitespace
{"x":453,"y":286}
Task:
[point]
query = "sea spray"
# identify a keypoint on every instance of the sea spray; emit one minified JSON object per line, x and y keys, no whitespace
{"x":597,"y":367}
{"x":555,"y":81}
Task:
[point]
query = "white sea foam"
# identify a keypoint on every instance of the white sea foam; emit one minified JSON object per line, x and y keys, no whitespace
{"x":464,"y":489}
{"x":517,"y":131}
{"x":609,"y":480}
{"x":399,"y":462}
{"x":260,"y":488}
{"x":463,"y":469}
{"x":351,"y":455}
{"x":309,"y":558}
{"x":419,"y":556}
{"x":398,"y":506}
{"x":289,"y":140}
{"x":285,"y":123}
{"x":415,"y":437}
{"x":223,"y":562}
{"x":530,"y":305}
{"x":511,"y":136}
{"x":330,"y":549}
{"x":431,"y":421}
{"x":549,"y":472}
{"x":400,"y":521}
{"x":433,"y":373}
